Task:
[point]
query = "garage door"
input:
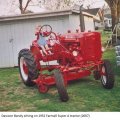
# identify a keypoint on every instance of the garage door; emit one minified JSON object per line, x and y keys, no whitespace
{"x":6,"y":47}
{"x":23,"y":35}
{"x":13,"y":38}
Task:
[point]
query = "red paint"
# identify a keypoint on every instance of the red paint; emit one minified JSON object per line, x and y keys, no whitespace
{"x":87,"y":46}
{"x":25,"y":68}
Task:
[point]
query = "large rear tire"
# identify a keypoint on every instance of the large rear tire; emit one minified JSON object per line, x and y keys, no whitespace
{"x":27,"y":67}
{"x":61,"y":86}
{"x":107,"y":75}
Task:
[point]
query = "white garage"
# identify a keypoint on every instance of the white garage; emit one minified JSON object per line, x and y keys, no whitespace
{"x":17,"y":32}
{"x":88,"y":22}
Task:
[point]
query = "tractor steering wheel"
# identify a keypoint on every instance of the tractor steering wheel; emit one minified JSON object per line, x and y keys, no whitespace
{"x":52,"y":36}
{"x":45,"y":30}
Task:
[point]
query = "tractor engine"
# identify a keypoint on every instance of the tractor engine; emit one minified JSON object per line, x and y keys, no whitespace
{"x":83,"y":47}
{"x":72,"y":45}
{"x":71,"y":54}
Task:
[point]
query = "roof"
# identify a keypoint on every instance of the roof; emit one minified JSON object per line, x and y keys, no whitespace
{"x":42,"y":14}
{"x":93,"y":11}
{"x":107,"y":15}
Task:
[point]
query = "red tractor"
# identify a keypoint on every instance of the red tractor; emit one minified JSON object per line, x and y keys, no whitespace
{"x":77,"y":54}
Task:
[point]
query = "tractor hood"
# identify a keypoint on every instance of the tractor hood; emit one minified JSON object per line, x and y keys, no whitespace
{"x":75,"y":37}
{"x":89,"y":43}
{"x":72,"y":35}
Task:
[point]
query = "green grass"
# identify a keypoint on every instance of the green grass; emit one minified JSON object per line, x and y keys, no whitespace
{"x":106,"y":35}
{"x":85,"y":94}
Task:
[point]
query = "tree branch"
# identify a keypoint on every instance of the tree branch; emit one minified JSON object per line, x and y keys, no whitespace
{"x":26,"y":5}
{"x":20,"y":6}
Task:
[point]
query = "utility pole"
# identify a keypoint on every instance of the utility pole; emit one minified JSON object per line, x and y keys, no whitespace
{"x":82,"y":24}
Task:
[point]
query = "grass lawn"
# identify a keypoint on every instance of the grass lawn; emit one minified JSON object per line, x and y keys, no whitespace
{"x":85,"y":94}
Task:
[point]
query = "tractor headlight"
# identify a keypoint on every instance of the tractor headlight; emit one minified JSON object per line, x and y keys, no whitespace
{"x":103,"y":49}
{"x":75,"y":53}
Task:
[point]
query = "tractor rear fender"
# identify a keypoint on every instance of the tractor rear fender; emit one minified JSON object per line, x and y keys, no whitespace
{"x":36,"y":52}
{"x":37,"y":55}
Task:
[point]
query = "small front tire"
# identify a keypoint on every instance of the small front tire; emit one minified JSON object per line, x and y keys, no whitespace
{"x":107,"y":75}
{"x":61,"y":86}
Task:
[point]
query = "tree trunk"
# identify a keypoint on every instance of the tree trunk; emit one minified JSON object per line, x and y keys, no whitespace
{"x":118,"y":10}
{"x":114,"y":21}
{"x":113,"y":4}
{"x":20,"y":6}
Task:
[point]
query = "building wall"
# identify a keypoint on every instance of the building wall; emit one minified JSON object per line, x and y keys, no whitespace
{"x":107,"y":11}
{"x":89,"y":23}
{"x":6,"y":48}
{"x":74,"y":22}
{"x":108,"y":22}
{"x":16,"y":35}
{"x":99,"y":24}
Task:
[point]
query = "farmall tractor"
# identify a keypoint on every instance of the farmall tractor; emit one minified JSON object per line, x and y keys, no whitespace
{"x":77,"y":54}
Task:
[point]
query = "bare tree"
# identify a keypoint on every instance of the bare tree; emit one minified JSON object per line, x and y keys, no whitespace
{"x":22,"y":7}
{"x":55,"y":4}
{"x":60,"y":4}
{"x":45,"y":4}
{"x":115,"y":10}
{"x":115,"y":13}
